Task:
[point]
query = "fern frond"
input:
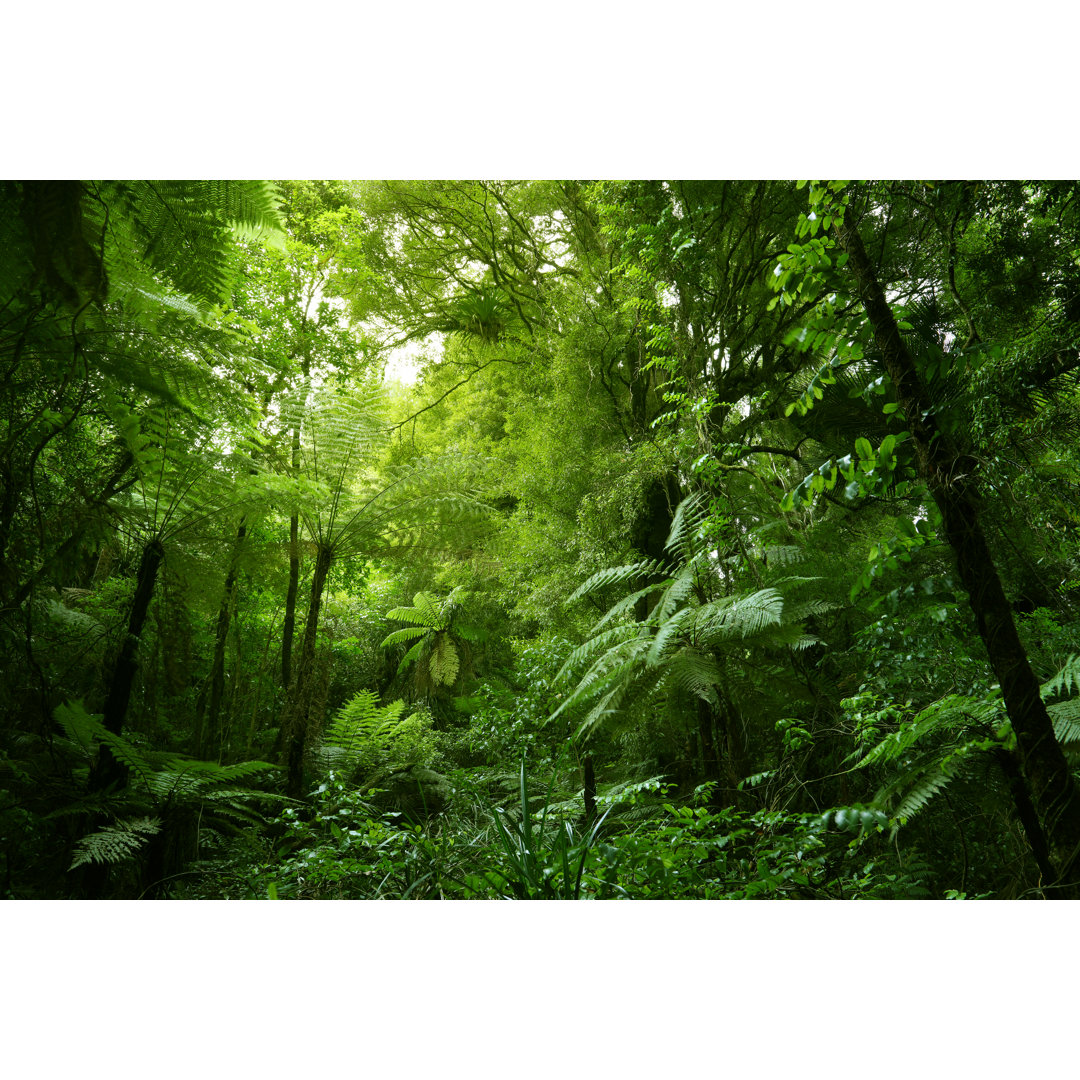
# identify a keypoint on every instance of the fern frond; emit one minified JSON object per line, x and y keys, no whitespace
{"x":116,"y":843}
{"x":616,"y":575}
{"x":409,"y":633}
{"x":695,"y":673}
{"x":428,"y":609}
{"x":412,"y":655}
{"x":783,"y":554}
{"x":128,"y":755}
{"x":679,"y":588}
{"x":81,"y":727}
{"x":76,"y":621}
{"x":927,"y":787}
{"x":444,"y":662}
{"x":618,"y":635}
{"x":1065,"y":716}
{"x":685,"y":526}
{"x":358,"y":724}
{"x":742,"y":616}
{"x":244,"y":769}
{"x":951,"y":714}
{"x":668,"y":632}
{"x":627,"y":604}
{"x":1066,"y":681}
{"x":608,"y":678}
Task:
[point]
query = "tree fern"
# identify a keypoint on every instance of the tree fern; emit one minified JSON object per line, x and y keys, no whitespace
{"x":160,"y":786}
{"x":434,"y":630}
{"x":672,"y":652}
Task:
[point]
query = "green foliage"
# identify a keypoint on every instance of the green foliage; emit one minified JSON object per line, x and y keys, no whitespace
{"x":363,"y":737}
{"x":675,"y":651}
{"x":119,"y":842}
{"x":343,"y":848}
{"x":439,"y":639}
{"x":788,"y":700}
{"x":933,"y":747}
{"x":539,"y":862}
{"x":511,"y":715}
{"x":163,"y":791}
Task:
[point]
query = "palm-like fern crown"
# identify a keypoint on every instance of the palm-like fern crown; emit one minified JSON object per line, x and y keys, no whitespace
{"x":433,"y":632}
{"x":354,"y":504}
{"x":678,"y":648}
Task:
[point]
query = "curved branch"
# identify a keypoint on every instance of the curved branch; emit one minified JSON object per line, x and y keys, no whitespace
{"x":439,"y":400}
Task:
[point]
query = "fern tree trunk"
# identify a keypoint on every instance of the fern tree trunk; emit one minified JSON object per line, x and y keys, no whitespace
{"x":108,"y":771}
{"x":208,"y":715}
{"x":710,"y":755}
{"x":296,"y":723}
{"x":948,"y":473}
{"x":289,"y":628}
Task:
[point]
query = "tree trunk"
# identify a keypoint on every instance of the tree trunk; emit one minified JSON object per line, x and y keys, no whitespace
{"x":1029,"y":820}
{"x":710,"y":758}
{"x":296,"y":723}
{"x":108,"y":771}
{"x":948,"y":474}
{"x":294,"y":576}
{"x":208,"y":731}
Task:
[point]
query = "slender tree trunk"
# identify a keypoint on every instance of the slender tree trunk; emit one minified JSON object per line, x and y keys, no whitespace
{"x":710,"y":759}
{"x":1025,"y":811}
{"x":108,"y":770}
{"x":296,"y":723}
{"x":208,"y":729}
{"x":294,"y":576}
{"x":948,"y":475}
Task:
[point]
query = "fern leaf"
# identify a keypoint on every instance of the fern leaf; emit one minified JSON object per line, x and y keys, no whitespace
{"x":668,"y":632}
{"x":626,"y":605}
{"x":81,"y":727}
{"x":685,"y":524}
{"x":128,"y":755}
{"x":444,"y":660}
{"x":410,"y":656}
{"x":1065,"y":716}
{"x":115,"y":844}
{"x":1066,"y":681}
{"x":677,"y":591}
{"x":615,"y":636}
{"x":409,"y":633}
{"x":743,"y":616}
{"x":921,"y":794}
{"x":616,"y":575}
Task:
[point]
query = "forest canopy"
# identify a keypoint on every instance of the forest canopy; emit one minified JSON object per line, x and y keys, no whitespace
{"x":539,"y":539}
